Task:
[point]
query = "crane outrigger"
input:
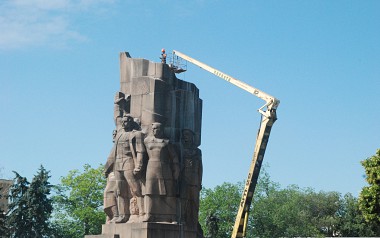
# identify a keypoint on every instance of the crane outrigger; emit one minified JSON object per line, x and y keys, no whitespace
{"x":269,"y":116}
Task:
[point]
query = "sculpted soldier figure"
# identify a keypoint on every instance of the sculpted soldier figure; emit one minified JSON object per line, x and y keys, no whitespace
{"x":109,"y":199}
{"x":161,"y":177}
{"x":191,"y":178}
{"x":129,"y":150}
{"x":121,"y":108}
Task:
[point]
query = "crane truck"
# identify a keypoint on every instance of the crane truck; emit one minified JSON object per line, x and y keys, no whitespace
{"x":268,"y":117}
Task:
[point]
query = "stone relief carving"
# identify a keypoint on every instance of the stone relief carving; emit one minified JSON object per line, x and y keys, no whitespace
{"x":109,"y":201}
{"x":154,"y":170}
{"x":129,"y":152}
{"x":191,"y":178}
{"x":147,"y":190}
{"x":122,"y":105}
{"x":161,"y":177}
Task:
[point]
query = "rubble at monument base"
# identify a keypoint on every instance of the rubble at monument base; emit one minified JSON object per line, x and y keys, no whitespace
{"x":145,"y":229}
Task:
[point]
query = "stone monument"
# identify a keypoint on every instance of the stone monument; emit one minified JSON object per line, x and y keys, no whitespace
{"x":154,"y":170}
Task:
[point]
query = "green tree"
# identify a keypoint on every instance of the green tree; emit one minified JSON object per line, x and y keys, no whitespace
{"x":289,"y":212}
{"x":17,"y":217}
{"x":30,"y":206}
{"x":323,"y":208}
{"x":351,"y":220}
{"x":79,"y":203}
{"x":278,"y":212}
{"x":281,"y":213}
{"x":369,"y":199}
{"x":221,"y":202}
{"x":39,"y":204}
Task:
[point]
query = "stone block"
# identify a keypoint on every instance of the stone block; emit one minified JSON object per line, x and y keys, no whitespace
{"x":157,"y":135}
{"x":145,"y":230}
{"x":158,"y":95}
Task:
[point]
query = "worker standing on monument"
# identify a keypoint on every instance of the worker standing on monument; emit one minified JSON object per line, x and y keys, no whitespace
{"x":128,"y":167}
{"x":163,"y":56}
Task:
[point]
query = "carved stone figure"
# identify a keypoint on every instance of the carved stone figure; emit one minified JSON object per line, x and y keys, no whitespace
{"x":147,"y":183}
{"x":110,"y":201}
{"x":121,"y":107}
{"x":161,"y":177}
{"x":191,"y":178}
{"x":129,"y":150}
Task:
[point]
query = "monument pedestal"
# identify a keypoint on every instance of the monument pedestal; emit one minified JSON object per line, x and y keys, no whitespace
{"x":144,"y":230}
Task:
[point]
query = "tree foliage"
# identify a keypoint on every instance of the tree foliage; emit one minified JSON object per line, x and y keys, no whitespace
{"x":369,"y":199}
{"x":17,"y":217}
{"x":351,"y":221}
{"x":78,"y":203}
{"x":222,"y":203}
{"x":30,"y":206}
{"x":281,"y":213}
{"x":275,"y":212}
{"x":39,"y":203}
{"x":288,"y":212}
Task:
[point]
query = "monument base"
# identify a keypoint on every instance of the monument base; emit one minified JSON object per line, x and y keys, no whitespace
{"x":144,"y":230}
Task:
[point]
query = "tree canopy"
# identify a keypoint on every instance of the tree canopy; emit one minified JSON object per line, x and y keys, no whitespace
{"x":30,"y":206}
{"x":369,"y":198}
{"x":275,"y":211}
{"x":78,"y":203}
{"x":222,"y":203}
{"x":285,"y":212}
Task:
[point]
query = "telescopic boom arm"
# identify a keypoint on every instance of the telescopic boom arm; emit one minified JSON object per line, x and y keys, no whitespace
{"x":268,"y":110}
{"x":271,"y":102}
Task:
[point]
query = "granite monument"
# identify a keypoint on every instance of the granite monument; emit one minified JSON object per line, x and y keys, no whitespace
{"x":154,"y":170}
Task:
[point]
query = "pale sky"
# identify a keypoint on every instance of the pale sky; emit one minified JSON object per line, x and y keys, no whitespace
{"x":59,"y":71}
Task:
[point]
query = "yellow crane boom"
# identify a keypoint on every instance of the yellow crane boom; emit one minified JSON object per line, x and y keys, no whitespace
{"x":269,"y":116}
